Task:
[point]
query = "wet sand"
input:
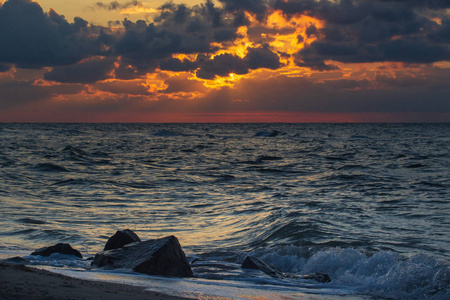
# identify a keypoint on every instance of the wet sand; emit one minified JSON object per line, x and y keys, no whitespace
{"x":21,"y":282}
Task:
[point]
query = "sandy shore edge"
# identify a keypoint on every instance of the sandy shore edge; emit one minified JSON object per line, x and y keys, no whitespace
{"x":22,"y":282}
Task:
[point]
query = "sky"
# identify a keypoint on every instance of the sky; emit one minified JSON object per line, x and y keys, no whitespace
{"x":225,"y":61}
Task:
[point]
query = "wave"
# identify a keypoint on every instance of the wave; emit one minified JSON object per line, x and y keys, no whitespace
{"x":74,"y":181}
{"x":360,"y":137}
{"x":264,"y":158}
{"x":281,"y":170}
{"x":50,"y":167}
{"x":167,"y":133}
{"x":31,"y":221}
{"x":384,"y":274}
{"x":74,"y":152}
{"x":267,"y":133}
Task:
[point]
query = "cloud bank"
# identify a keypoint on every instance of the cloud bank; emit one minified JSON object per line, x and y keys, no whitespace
{"x":343,"y":56}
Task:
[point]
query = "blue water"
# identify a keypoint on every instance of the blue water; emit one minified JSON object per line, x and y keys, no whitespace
{"x":368,"y":204}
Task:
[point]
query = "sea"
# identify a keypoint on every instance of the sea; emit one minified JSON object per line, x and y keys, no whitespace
{"x":368,"y":204}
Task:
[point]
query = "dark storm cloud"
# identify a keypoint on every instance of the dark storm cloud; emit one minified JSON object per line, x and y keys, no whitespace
{"x":114,"y":5}
{"x":372,"y":31}
{"x":262,"y":58}
{"x":31,"y":38}
{"x":176,"y":65}
{"x":409,"y":50}
{"x":433,"y":4}
{"x":442,"y":35}
{"x":90,"y":71}
{"x":351,"y":11}
{"x":178,"y":29}
{"x":258,"y":7}
{"x":354,"y":32}
{"x":224,"y":64}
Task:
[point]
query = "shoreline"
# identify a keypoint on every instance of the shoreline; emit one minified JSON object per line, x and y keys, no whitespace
{"x":22,"y":282}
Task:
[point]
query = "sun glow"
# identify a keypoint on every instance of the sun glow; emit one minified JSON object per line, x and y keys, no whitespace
{"x":239,"y":47}
{"x":220,"y":82}
{"x":139,"y":10}
{"x":153,"y":83}
{"x":303,"y":31}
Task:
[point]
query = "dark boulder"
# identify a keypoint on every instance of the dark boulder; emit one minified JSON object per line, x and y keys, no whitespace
{"x":58,"y":248}
{"x":252,"y":262}
{"x":154,"y":257}
{"x":319,"y":277}
{"x":121,"y":238}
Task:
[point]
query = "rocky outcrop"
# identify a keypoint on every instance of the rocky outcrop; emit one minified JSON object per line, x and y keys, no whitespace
{"x":121,"y":238}
{"x":154,"y":257}
{"x":58,"y":248}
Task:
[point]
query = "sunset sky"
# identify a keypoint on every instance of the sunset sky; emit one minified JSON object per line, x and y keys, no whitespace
{"x":225,"y":61}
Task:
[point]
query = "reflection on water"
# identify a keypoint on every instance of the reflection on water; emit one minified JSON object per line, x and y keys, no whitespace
{"x":228,"y":186}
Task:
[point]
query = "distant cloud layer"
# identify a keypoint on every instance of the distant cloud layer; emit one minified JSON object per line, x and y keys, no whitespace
{"x":308,"y":42}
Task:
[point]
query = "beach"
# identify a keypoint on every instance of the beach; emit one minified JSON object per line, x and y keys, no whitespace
{"x":22,"y":282}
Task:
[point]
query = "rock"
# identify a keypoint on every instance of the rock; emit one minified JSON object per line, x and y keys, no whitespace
{"x":319,"y":277}
{"x":154,"y":257}
{"x":252,"y":262}
{"x":58,"y":248}
{"x":121,"y":238}
{"x":16,"y":260}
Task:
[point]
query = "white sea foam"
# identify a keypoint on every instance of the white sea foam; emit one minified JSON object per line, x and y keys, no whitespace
{"x":58,"y":260}
{"x":384,"y":274}
{"x":197,"y":288}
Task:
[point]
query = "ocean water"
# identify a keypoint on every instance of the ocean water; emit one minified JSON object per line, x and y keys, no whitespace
{"x":369,"y":204}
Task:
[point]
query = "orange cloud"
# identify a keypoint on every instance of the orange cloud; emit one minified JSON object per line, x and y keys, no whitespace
{"x":139,"y":10}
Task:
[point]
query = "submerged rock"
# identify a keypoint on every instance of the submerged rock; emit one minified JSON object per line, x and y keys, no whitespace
{"x":252,"y":262}
{"x":58,"y":248}
{"x":154,"y":257}
{"x":121,"y":238}
{"x":16,"y":260}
